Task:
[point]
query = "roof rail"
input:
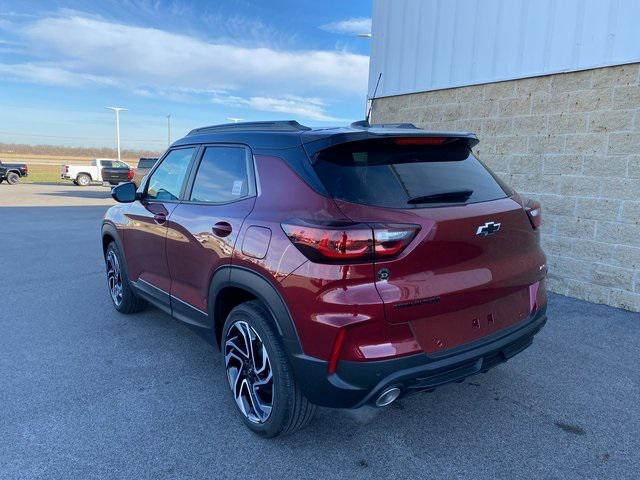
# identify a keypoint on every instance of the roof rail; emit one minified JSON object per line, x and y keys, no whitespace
{"x":364,"y":125}
{"x":278,"y":126}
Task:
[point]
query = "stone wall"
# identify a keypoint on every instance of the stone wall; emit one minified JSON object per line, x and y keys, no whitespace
{"x":571,"y":141}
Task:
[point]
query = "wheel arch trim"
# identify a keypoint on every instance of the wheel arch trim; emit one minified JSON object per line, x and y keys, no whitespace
{"x":264,"y":290}
{"x":109,"y":229}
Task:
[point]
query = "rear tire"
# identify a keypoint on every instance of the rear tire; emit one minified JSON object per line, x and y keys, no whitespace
{"x":83,"y":180}
{"x":124,"y":298}
{"x":13,"y":178}
{"x":282,"y":409}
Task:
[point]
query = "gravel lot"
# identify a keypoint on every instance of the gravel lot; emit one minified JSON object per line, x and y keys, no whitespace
{"x":88,"y":393}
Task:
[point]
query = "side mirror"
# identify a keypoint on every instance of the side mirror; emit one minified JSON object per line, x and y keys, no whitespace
{"x":124,"y":193}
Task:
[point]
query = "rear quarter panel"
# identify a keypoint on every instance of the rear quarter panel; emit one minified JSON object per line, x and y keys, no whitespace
{"x":320,"y":298}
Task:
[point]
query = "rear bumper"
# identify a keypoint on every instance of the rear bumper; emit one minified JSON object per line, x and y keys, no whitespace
{"x":359,"y":383}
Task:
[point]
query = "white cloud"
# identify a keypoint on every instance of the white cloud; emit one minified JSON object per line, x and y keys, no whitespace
{"x":312,"y":108}
{"x":351,"y":26}
{"x":79,"y":50}
{"x":51,"y":75}
{"x":164,"y":59}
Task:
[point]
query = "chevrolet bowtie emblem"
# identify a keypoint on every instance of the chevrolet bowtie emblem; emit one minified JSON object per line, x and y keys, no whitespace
{"x":487,"y":229}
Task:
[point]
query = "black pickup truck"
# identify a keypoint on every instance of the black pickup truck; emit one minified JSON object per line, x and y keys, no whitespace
{"x":12,"y":172}
{"x":116,"y":172}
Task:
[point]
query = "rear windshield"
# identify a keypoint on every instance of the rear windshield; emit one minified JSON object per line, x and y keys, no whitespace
{"x":147,"y":162}
{"x":386,"y":174}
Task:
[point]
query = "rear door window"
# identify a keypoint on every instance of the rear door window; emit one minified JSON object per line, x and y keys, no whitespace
{"x":222,"y":176}
{"x":388,"y":173}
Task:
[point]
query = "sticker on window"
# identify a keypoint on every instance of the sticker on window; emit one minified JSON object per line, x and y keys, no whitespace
{"x":237,"y":188}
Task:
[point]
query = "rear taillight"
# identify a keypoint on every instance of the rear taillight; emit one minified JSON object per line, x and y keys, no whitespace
{"x":350,"y":242}
{"x":130,"y":175}
{"x":390,"y":240}
{"x":66,"y":169}
{"x":331,"y":244}
{"x":534,"y":212}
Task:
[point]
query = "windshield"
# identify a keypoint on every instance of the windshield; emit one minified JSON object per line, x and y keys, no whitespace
{"x":386,"y":174}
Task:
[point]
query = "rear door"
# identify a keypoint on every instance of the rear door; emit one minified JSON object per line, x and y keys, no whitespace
{"x":203,"y":229}
{"x":471,"y":268}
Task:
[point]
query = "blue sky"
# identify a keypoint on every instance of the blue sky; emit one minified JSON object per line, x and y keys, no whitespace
{"x":201,"y":61}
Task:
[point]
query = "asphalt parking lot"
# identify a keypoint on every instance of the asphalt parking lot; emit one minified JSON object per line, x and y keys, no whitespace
{"x":88,"y":393}
{"x":46,"y":195}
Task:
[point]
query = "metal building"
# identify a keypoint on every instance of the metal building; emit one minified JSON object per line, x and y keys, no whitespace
{"x":552,"y":88}
{"x":421,"y":45}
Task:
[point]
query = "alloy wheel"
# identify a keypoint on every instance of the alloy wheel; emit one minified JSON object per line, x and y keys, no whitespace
{"x":249,"y":372}
{"x":114,"y":278}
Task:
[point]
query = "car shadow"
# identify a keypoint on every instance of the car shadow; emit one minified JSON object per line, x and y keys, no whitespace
{"x":47,"y":183}
{"x":80,"y":194}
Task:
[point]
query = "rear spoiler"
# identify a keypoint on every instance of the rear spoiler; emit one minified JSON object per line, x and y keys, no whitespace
{"x":314,"y":144}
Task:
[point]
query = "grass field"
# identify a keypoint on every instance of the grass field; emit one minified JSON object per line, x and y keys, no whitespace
{"x":43,"y":174}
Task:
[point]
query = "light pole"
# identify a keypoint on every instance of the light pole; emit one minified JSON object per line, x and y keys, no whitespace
{"x":117,"y":110}
{"x":168,"y":130}
{"x":235,"y":119}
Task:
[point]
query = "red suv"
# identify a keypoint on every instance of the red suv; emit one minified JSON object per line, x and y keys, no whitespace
{"x":337,"y":267}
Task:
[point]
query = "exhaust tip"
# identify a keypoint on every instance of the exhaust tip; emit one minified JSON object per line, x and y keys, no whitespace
{"x":387,"y":397}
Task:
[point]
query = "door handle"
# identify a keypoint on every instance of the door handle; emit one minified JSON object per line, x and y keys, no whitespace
{"x":222,"y":229}
{"x":160,"y":218}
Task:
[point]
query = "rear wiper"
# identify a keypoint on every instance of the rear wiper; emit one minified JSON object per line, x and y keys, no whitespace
{"x":453,"y":196}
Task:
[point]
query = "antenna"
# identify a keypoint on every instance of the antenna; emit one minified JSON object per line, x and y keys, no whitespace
{"x":372,"y":98}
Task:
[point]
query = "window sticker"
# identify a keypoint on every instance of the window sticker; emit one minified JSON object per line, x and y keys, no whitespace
{"x":237,"y":188}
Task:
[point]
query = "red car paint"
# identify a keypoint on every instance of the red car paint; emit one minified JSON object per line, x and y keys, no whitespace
{"x":471,"y":279}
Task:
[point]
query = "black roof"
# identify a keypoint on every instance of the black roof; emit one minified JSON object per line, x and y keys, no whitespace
{"x":275,"y":126}
{"x":290,"y":133}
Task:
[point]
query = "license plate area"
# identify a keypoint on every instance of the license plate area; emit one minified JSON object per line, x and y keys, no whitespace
{"x":445,"y":331}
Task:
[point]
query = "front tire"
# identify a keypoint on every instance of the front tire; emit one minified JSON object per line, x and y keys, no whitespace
{"x":83,"y":180}
{"x":13,"y":178}
{"x":123,"y":296}
{"x":261,"y":380}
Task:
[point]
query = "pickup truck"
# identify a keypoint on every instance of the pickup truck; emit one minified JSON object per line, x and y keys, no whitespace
{"x":83,"y":175}
{"x":144,"y":166}
{"x":117,"y":174}
{"x":12,"y":172}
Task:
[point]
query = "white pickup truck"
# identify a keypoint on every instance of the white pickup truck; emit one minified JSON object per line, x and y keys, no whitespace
{"x":83,"y":175}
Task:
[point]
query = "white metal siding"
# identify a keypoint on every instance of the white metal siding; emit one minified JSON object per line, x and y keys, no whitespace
{"x":421,"y":45}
